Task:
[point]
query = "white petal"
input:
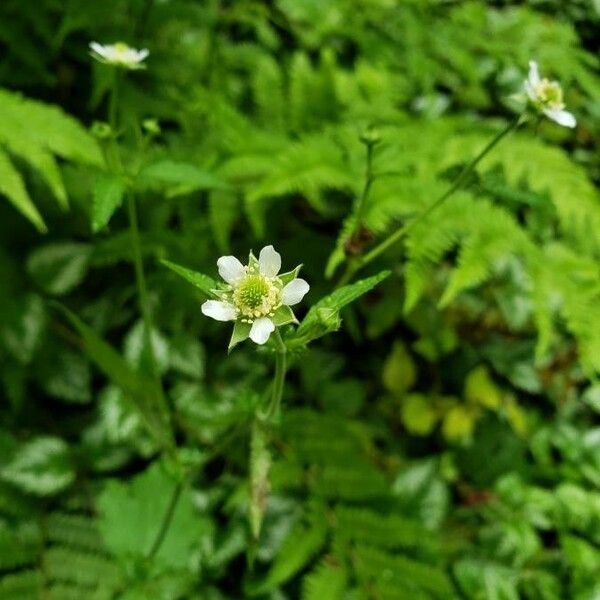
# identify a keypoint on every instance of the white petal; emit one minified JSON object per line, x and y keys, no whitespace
{"x":562,"y":117}
{"x":261,"y":330}
{"x":230,"y":269}
{"x":98,"y":48}
{"x":220,"y":311}
{"x":530,"y":90}
{"x":269,"y":261}
{"x":534,"y":74}
{"x":142,"y":54}
{"x":294,"y":291}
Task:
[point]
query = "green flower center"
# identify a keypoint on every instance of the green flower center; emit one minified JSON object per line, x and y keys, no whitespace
{"x":252,"y":290}
{"x":256,"y":296}
{"x":550,"y":94}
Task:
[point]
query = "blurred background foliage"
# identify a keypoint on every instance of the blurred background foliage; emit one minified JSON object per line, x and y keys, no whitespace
{"x":443,"y":444}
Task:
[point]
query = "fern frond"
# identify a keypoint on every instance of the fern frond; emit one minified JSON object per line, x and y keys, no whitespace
{"x":380,"y":530}
{"x":397,"y":576}
{"x":26,"y":585}
{"x":327,"y":581}
{"x":38,"y":133}
{"x":76,"y":531}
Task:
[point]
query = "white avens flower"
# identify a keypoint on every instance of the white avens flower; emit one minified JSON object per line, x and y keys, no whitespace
{"x":256,"y":296}
{"x":546,"y":97}
{"x":119,"y":55}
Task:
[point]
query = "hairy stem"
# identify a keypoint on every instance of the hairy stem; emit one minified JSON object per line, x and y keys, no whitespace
{"x":357,"y":264}
{"x":279,"y":377}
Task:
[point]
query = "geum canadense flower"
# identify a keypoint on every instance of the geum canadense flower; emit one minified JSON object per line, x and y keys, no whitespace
{"x":256,"y":296}
{"x":119,"y":55}
{"x":546,"y":97}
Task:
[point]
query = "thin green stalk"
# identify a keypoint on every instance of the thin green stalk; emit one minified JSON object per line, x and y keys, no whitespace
{"x":279,"y":377}
{"x":356,"y":265}
{"x":166,"y":521}
{"x":137,"y":259}
{"x":362,"y":201}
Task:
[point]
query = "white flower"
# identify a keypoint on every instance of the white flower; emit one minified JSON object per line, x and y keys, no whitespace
{"x":119,"y":55}
{"x":256,"y":296}
{"x":546,"y":97}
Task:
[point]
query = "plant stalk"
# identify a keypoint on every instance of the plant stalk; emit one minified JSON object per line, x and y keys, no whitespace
{"x":279,"y":377}
{"x":357,"y":264}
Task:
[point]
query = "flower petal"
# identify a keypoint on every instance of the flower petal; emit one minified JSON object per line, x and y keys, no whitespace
{"x":218,"y":310}
{"x":534,"y":73}
{"x":261,"y":330}
{"x":230,"y":269}
{"x":269,"y":261}
{"x":562,"y":117}
{"x":98,"y":48}
{"x":294,"y":291}
{"x":142,"y":54}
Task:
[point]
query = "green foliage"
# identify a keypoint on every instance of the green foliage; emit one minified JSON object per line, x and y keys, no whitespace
{"x":38,"y":134}
{"x":443,"y":444}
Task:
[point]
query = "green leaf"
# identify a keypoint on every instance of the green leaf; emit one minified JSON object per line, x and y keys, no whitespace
{"x":479,"y":579}
{"x":241,"y":332}
{"x":41,"y":466}
{"x":108,"y":193}
{"x":201,"y":281}
{"x":284,"y":316}
{"x":180,"y":178}
{"x":299,"y":547}
{"x":145,"y":395}
{"x":59,"y":267}
{"x":324,"y":317}
{"x":12,"y":186}
{"x":418,"y":414}
{"x":326,"y":582}
{"x":399,"y":371}
{"x":131,"y":515}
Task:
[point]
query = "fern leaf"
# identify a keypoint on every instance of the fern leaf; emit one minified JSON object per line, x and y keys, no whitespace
{"x":326,"y":582}
{"x":26,"y":585}
{"x":12,"y":186}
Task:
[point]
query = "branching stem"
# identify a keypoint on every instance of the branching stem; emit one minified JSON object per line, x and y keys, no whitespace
{"x":357,"y":264}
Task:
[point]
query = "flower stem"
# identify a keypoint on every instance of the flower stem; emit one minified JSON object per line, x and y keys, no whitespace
{"x":138,"y":265}
{"x":279,"y":377}
{"x":357,"y":264}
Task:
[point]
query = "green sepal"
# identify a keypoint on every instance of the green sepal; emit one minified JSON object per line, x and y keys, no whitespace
{"x":241,"y":332}
{"x":290,"y":275}
{"x":203,"y":282}
{"x":253,"y":262}
{"x":284,"y":316}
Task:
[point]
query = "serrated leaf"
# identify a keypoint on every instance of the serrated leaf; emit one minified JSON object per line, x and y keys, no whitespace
{"x":107,"y":196}
{"x":323,"y":317}
{"x":203,"y":282}
{"x":41,"y":467}
{"x":59,"y":267}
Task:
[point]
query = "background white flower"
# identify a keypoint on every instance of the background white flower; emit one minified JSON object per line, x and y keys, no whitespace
{"x":547,"y":97}
{"x":119,"y":54}
{"x":256,"y":296}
